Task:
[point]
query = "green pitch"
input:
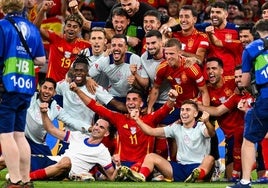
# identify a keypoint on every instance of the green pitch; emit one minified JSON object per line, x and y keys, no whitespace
{"x":106,"y":184}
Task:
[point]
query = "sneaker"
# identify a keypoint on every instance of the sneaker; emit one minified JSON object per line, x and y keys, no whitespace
{"x":239,"y":185}
{"x":9,"y":184}
{"x":218,"y":170}
{"x":158,"y":177}
{"x":193,"y":176}
{"x":132,"y":175}
{"x":234,"y":179}
{"x":82,"y":177}
{"x":28,"y":185}
{"x":120,"y":175}
{"x":262,"y":180}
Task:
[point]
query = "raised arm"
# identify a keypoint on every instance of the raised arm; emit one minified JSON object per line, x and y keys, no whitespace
{"x":86,"y":99}
{"x":146,"y":128}
{"x":46,"y":5}
{"x":49,"y":127}
{"x":135,"y":114}
{"x":210,"y":130}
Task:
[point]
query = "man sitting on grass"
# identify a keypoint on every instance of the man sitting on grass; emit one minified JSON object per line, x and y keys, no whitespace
{"x":193,"y":144}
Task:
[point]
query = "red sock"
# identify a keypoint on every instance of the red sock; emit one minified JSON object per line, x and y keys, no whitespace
{"x":145,"y":171}
{"x":202,"y":174}
{"x":38,"y":174}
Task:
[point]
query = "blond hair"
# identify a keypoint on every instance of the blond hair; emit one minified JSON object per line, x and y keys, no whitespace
{"x":9,"y":6}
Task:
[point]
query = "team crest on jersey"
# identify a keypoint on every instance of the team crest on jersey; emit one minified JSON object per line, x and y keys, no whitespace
{"x":187,"y":139}
{"x":178,"y":80}
{"x":67,"y":54}
{"x":222,"y":99}
{"x":125,"y":126}
{"x":133,"y":130}
{"x":190,"y":43}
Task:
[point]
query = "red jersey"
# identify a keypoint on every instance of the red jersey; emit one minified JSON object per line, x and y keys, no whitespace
{"x":219,"y":96}
{"x":185,"y":80}
{"x":192,"y":42}
{"x":134,"y":144}
{"x":230,"y":55}
{"x":62,"y":54}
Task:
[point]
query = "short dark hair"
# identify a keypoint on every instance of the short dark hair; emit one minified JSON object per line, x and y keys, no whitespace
{"x":119,"y":11}
{"x":218,"y":60}
{"x":75,"y":18}
{"x":261,"y":25}
{"x":264,"y":6}
{"x":153,"y":33}
{"x":135,"y":90}
{"x":219,"y":4}
{"x":238,"y":67}
{"x":237,"y":4}
{"x":191,"y":8}
{"x":81,"y":58}
{"x":154,"y":13}
{"x":51,"y":80}
{"x":120,"y":36}
{"x":191,"y":102}
{"x":246,"y":26}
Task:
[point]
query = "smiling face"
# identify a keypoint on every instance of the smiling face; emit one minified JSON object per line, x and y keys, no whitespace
{"x":172,"y":56}
{"x":80,"y":73}
{"x":246,"y":37}
{"x":133,"y":101}
{"x":120,"y":24}
{"x":154,"y":45}
{"x":187,"y":20}
{"x":151,"y":23}
{"x":118,"y":49}
{"x":47,"y":91}
{"x":100,"y":129}
{"x":71,"y":30}
{"x":238,"y":76}
{"x":218,"y":16}
{"x":214,"y":72}
{"x":188,"y":113}
{"x":130,"y":6}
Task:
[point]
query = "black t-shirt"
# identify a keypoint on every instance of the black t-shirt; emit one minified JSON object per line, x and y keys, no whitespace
{"x":136,"y":19}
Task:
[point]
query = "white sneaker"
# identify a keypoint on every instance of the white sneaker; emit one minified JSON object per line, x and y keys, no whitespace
{"x":218,"y":171}
{"x":82,"y":177}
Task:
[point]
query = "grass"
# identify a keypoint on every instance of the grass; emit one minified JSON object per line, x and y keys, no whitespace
{"x":106,"y":184}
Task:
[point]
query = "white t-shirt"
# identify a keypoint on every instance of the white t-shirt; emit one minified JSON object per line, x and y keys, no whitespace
{"x":34,"y":128}
{"x":149,"y":66}
{"x":83,"y":155}
{"x":75,"y":106}
{"x":117,"y":74}
{"x":192,"y":145}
